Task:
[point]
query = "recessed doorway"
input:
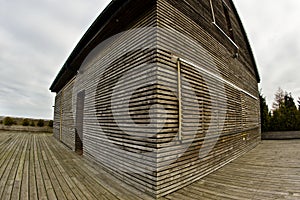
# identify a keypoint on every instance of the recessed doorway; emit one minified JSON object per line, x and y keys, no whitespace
{"x":79,"y":122}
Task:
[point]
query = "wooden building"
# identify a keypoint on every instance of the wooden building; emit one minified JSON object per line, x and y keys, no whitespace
{"x":160,"y":92}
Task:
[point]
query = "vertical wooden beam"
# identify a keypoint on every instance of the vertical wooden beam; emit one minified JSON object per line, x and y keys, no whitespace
{"x":212,"y":12}
{"x":179,"y":100}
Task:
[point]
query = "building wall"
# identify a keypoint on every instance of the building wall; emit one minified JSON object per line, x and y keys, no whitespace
{"x":220,"y":105}
{"x":119,"y":80}
{"x":57,"y":116}
{"x":64,"y":125}
{"x":67,"y":123}
{"x":171,"y":66}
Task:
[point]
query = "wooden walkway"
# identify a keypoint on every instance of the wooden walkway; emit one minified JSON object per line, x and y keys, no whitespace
{"x":37,"y":166}
{"x":270,"y":171}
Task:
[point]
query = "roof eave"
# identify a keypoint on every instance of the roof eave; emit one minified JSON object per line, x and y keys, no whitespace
{"x":93,"y":30}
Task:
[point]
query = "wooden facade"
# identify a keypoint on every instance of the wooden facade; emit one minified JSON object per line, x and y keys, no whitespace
{"x":160,"y":92}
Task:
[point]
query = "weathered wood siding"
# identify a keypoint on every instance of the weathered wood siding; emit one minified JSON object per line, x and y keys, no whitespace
{"x":68,"y":120}
{"x":168,"y":100}
{"x":57,"y":116}
{"x":228,"y":109}
{"x":120,"y":87}
{"x":64,"y":124}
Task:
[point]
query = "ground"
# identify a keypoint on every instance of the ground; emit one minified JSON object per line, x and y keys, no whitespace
{"x":37,"y":166}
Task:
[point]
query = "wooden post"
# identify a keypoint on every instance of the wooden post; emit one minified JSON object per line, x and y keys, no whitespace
{"x":179,"y":100}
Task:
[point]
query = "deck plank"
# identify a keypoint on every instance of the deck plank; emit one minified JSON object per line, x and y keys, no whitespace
{"x":270,"y":171}
{"x":19,"y":173}
{"x":7,"y":153}
{"x":57,"y":189}
{"x":44,"y":171}
{"x":62,"y":182}
{"x":25,"y":185}
{"x":87,"y":182}
{"x":37,"y":166}
{"x":65,"y":170}
{"x":33,"y":192}
{"x":11,"y":171}
{"x":41,"y":189}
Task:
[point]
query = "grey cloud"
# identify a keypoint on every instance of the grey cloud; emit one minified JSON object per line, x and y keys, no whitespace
{"x":273,"y":30}
{"x":36,"y":37}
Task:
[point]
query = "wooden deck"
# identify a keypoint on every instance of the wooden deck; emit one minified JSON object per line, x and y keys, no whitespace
{"x":37,"y":166}
{"x":270,"y":171}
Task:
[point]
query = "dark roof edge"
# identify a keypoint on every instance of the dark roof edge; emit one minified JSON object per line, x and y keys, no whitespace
{"x":247,"y":41}
{"x":100,"y":21}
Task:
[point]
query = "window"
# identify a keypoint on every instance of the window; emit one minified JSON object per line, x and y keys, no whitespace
{"x":228,"y":29}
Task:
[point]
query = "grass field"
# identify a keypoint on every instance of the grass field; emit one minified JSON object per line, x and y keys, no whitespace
{"x":19,"y":128}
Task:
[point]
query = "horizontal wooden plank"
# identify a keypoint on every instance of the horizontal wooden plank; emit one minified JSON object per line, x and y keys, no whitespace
{"x":67,"y":175}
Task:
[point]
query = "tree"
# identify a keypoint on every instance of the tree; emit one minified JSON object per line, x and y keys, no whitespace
{"x":298,"y":103}
{"x":286,"y":116}
{"x":290,"y":112}
{"x":276,"y":121}
{"x":40,"y":123}
{"x":50,"y":123}
{"x":264,"y":114}
{"x":25,"y":122}
{"x":8,"y":121}
{"x":32,"y":123}
{"x":279,"y":99}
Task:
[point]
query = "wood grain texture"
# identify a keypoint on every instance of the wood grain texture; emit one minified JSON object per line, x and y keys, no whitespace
{"x":30,"y":163}
{"x":132,"y":82}
{"x":228,"y":95}
{"x":37,"y":166}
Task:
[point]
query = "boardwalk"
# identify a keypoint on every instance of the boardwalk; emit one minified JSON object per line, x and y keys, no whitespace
{"x":270,"y":171}
{"x":36,"y":166}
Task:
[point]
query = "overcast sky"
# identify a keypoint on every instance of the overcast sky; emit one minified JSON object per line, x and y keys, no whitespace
{"x":37,"y":36}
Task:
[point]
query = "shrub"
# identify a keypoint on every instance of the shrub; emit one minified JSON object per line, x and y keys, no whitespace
{"x":32,"y":123}
{"x":25,"y":122}
{"x":41,"y":123}
{"x":50,"y":124}
{"x":8,"y":121}
{"x":1,"y":122}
